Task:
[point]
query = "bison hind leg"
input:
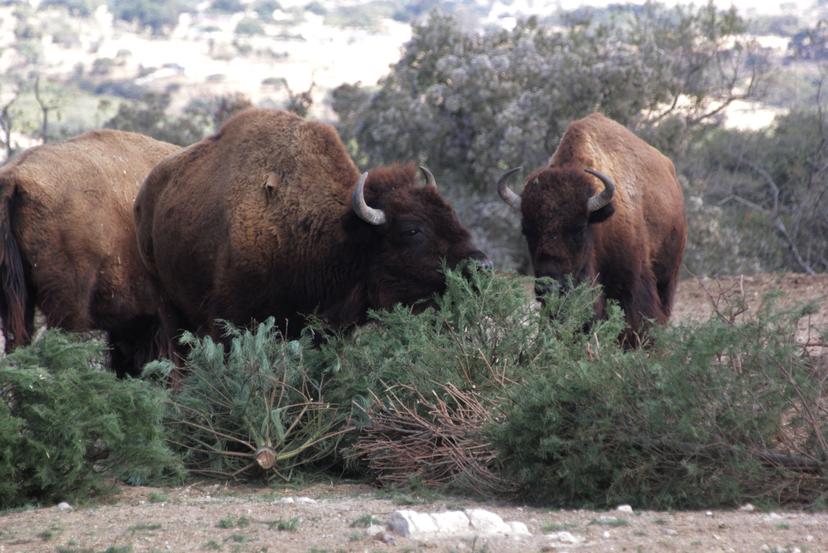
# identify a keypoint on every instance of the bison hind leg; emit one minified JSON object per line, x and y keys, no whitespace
{"x":133,"y":345}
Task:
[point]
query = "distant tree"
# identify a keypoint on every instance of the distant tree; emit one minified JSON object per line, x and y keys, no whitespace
{"x":81,"y":8}
{"x":7,"y":119}
{"x":227,"y":6}
{"x":316,"y":8}
{"x":149,"y":116}
{"x":249,"y":26}
{"x":211,"y":112}
{"x":770,"y":186}
{"x":810,"y":44}
{"x":48,"y":100}
{"x":157,"y":15}
{"x":299,"y":102}
{"x":265,"y":8}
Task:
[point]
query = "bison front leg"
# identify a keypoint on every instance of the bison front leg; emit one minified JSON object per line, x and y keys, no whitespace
{"x":642,"y":308}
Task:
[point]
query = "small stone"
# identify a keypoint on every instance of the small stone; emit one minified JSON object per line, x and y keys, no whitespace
{"x":386,"y":537}
{"x":286,"y":501}
{"x":64,"y":506}
{"x":518,"y":528}
{"x":374,"y":529}
{"x":624,"y":508}
{"x":708,"y":513}
{"x":487,"y":521}
{"x":809,"y":537}
{"x":305,"y":500}
{"x":670,"y":531}
{"x":747,"y":508}
{"x":451,"y":522}
{"x":409,"y":523}
{"x":606,"y":534}
{"x":565,"y":537}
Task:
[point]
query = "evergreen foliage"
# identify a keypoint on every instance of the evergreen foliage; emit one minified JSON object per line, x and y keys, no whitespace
{"x":715,"y":413}
{"x":254,"y":411}
{"x":67,"y":424}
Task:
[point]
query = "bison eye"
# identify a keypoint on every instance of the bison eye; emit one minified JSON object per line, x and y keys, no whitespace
{"x":411,"y":232}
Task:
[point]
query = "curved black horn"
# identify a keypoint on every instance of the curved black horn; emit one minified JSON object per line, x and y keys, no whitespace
{"x":507,"y":194}
{"x":363,"y":210}
{"x":430,"y":180}
{"x":604,"y":197}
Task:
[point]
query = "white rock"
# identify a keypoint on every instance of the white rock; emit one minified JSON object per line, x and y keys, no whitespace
{"x":518,"y":528}
{"x":64,"y":506}
{"x":747,"y":508}
{"x":809,"y":537}
{"x":670,"y":531}
{"x":305,"y":500}
{"x":624,"y":508}
{"x":606,"y":534}
{"x":487,"y":522}
{"x":286,"y":501}
{"x":409,"y":523}
{"x":451,"y":522}
{"x":565,"y":537}
{"x":708,"y":513}
{"x":374,"y":529}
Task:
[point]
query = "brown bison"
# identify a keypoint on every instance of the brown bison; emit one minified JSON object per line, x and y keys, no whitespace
{"x":68,"y":242}
{"x":607,"y":208}
{"x":271,"y":217}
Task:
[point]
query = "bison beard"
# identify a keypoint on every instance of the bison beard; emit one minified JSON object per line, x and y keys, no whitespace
{"x":627,"y":235}
{"x":270,"y":217}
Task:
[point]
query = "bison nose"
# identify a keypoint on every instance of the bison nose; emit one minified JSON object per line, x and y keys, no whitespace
{"x":481,"y":260}
{"x":545,"y":287}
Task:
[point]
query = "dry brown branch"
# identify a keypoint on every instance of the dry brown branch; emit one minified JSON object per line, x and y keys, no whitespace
{"x":438,"y":442}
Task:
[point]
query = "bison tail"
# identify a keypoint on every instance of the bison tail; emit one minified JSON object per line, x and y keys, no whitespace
{"x":14,"y":295}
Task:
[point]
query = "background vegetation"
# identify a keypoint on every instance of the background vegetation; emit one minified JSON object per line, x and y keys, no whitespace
{"x":470,"y":101}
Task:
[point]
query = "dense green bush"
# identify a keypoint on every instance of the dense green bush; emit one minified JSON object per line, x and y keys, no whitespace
{"x":715,"y":413}
{"x":67,"y":424}
{"x":690,"y":421}
{"x":764,"y":191}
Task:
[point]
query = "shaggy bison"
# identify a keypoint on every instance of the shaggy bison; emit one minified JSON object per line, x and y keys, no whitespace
{"x":271,"y":217}
{"x":607,"y":208}
{"x":68,"y":242}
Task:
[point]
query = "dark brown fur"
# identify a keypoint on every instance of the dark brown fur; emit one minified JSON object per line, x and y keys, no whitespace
{"x":632,"y":247}
{"x":68,"y":242}
{"x":257,"y":221}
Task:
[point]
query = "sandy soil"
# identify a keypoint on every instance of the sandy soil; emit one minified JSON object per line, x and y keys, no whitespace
{"x":216,"y":517}
{"x":206,"y":518}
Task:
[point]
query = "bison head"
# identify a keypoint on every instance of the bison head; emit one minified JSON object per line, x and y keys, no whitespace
{"x":559,"y":208}
{"x":407,"y":230}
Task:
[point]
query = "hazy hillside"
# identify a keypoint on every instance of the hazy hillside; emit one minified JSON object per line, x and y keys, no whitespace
{"x":91,"y":55}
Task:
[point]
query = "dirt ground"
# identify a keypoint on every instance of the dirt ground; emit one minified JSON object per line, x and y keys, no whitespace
{"x":207,"y":516}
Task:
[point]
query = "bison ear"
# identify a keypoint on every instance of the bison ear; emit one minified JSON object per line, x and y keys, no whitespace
{"x":602,"y":214}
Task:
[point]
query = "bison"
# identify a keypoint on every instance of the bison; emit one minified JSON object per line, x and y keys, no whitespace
{"x":68,"y":242}
{"x":270,"y":217}
{"x":608,"y":208}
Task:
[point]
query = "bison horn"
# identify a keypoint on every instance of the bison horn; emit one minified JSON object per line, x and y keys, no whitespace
{"x":604,"y":197}
{"x":430,"y":180}
{"x":506,"y":193}
{"x":364,"y":211}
